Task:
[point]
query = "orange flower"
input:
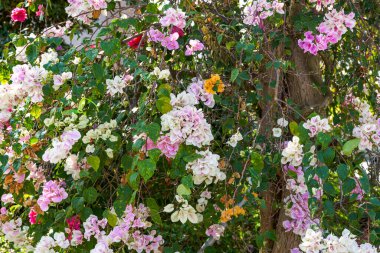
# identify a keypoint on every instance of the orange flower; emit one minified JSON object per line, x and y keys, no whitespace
{"x":212,"y":82}
{"x":229,"y":213}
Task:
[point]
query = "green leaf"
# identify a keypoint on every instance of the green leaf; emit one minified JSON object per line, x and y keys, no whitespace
{"x":98,"y":71}
{"x":31,"y":53}
{"x":329,"y":189}
{"x":244,"y":75}
{"x":324,"y":139}
{"x":342,"y":171}
{"x":348,"y":185}
{"x":111,"y":218}
{"x":146,"y":168}
{"x":111,"y":46}
{"x":293,"y":127}
{"x":90,"y":195}
{"x":154,"y":210}
{"x":183,"y":190}
{"x":192,"y":157}
{"x":137,"y":145}
{"x":154,"y":154}
{"x":127,"y":23}
{"x":77,"y":203}
{"x":258,"y":57}
{"x":350,"y":145}
{"x":119,"y":206}
{"x":234,"y":74}
{"x":153,"y":131}
{"x":85,"y":213}
{"x":134,"y":180}
{"x":328,"y":207}
{"x":94,"y":161}
{"x":323,"y":172}
{"x":36,"y":111}
{"x":164,"y":90}
{"x":92,"y":53}
{"x":257,"y":161}
{"x":163,"y":105}
{"x":364,"y":181}
{"x":126,"y":162}
{"x":327,"y":156}
{"x":187,"y":181}
{"x":375,"y":201}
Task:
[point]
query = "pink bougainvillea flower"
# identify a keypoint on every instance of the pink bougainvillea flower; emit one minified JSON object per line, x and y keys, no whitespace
{"x":194,"y":45}
{"x":135,"y":42}
{"x":167,"y":147}
{"x":19,"y":15}
{"x":32,"y":217}
{"x":170,"y":42}
{"x":40,"y":11}
{"x":155,"y":35}
{"x":178,"y":30}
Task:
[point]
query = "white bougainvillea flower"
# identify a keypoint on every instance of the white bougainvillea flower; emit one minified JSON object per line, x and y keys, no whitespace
{"x":169,"y":208}
{"x":277,"y":132}
{"x":282,"y":122}
{"x":235,"y":139}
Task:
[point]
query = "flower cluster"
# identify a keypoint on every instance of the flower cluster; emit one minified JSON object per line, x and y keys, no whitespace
{"x":196,"y":88}
{"x":48,"y":243}
{"x":161,"y":74}
{"x":292,"y":153}
{"x":94,"y":227}
{"x":335,"y":24}
{"x":51,"y":56}
{"x":316,"y":125}
{"x":85,"y":10}
{"x":19,"y":15}
{"x":15,"y":233}
{"x":296,"y":203}
{"x":324,"y":3}
{"x":230,"y":212}
{"x":277,"y":131}
{"x":215,"y":231}
{"x":167,"y":147}
{"x":117,"y":84}
{"x":173,"y":18}
{"x":205,"y":169}
{"x":358,"y":190}
{"x":61,"y":148}
{"x":194,"y":46}
{"x":73,"y":166}
{"x":259,"y":10}
{"x":235,"y":139}
{"x":128,"y":230}
{"x":183,"y":99}
{"x":202,"y":201}
{"x":75,"y":236}
{"x":314,"y":241}
{"x":103,"y":131}
{"x":213,"y":84}
{"x":36,"y":173}
{"x":26,"y":82}
{"x":61,"y":79}
{"x":187,"y":124}
{"x":52,"y":192}
{"x":185,"y":212}
{"x":56,"y":31}
{"x":368,"y":131}
{"x":176,"y":20}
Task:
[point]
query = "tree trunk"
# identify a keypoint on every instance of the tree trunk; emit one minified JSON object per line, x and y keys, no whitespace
{"x":301,"y":86}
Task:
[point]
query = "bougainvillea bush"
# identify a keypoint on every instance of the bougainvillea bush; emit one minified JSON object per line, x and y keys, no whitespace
{"x":190,"y":126}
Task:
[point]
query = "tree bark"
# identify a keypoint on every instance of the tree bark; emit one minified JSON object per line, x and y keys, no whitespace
{"x":301,"y":85}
